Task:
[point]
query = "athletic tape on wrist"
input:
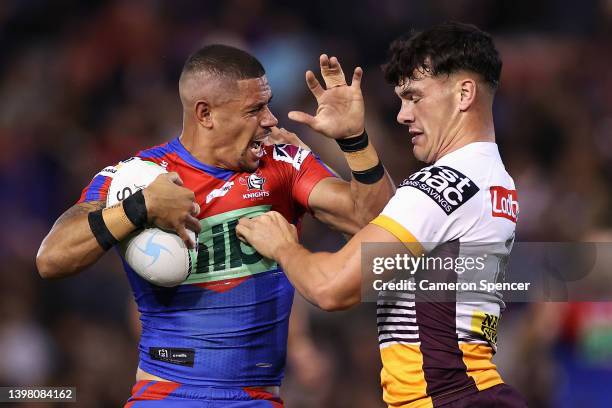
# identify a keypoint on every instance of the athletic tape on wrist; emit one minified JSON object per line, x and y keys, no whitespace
{"x":136,"y":209}
{"x":353,"y":144}
{"x":100,"y":230}
{"x":371,"y":175}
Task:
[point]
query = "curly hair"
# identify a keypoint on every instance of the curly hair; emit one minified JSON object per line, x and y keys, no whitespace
{"x":442,"y":50}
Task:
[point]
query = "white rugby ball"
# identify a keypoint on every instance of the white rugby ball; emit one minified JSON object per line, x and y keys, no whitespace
{"x":160,"y":257}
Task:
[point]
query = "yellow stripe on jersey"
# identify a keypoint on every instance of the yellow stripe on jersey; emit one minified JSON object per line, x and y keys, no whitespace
{"x":478,"y":361}
{"x":402,"y":377}
{"x":401,"y":233}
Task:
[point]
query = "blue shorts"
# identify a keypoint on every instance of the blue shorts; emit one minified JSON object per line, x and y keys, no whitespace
{"x":165,"y":394}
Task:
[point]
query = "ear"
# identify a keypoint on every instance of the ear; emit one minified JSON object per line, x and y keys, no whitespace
{"x":203,"y":113}
{"x":467,"y":96}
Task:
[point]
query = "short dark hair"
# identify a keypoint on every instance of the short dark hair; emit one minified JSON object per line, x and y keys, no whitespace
{"x":225,"y":61}
{"x":442,"y":50}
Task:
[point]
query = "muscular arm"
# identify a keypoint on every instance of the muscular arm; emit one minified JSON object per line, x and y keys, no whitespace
{"x":70,"y":246}
{"x":348,"y":207}
{"x":331,"y":281}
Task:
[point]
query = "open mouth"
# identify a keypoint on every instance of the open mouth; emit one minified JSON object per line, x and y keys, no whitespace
{"x":416,"y":135}
{"x":256,"y":147}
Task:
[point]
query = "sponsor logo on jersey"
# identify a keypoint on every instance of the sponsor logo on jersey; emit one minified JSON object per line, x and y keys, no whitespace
{"x":447,"y":187}
{"x":219,"y":192}
{"x":293,"y":155}
{"x":255,"y":186}
{"x":485,"y":324}
{"x":504,"y":203}
{"x":180,"y":356}
{"x":221,"y":255}
{"x":107,"y":171}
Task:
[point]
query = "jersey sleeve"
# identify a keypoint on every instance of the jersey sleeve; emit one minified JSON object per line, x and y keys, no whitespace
{"x":427,"y":208}
{"x":97,"y":189}
{"x":306,"y":171}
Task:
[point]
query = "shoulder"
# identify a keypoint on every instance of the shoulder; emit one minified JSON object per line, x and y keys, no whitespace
{"x":288,"y":154}
{"x":444,"y":187}
{"x":158,"y":154}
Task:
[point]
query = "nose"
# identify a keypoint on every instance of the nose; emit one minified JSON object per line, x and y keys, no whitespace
{"x":405,"y":116}
{"x":268,"y":119}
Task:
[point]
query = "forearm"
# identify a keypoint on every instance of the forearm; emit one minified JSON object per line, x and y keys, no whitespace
{"x":371,"y":186}
{"x":370,"y":199}
{"x":68,"y":249}
{"x":80,"y":237}
{"x":323,"y":278}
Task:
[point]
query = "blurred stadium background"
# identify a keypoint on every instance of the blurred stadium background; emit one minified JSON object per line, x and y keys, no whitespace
{"x":85,"y":84}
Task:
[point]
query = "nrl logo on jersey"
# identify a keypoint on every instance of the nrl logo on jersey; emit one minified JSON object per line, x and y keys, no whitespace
{"x":255,"y":186}
{"x":219,"y":192}
{"x":293,"y":155}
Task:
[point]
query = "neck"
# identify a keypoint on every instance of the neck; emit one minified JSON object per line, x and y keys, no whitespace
{"x":195,"y":144}
{"x":474,"y":128}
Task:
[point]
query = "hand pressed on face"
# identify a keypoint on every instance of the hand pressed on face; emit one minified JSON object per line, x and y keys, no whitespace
{"x":283,"y":136}
{"x":341,"y":111}
{"x":268,"y":233}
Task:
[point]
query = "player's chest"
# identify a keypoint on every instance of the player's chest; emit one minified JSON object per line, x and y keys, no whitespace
{"x":223,"y":202}
{"x":240,"y":190}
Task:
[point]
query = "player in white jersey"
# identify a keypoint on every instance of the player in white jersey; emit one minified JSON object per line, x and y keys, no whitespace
{"x":436,"y":346}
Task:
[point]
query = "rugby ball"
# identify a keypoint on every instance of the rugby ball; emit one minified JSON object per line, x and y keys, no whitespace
{"x":160,"y":257}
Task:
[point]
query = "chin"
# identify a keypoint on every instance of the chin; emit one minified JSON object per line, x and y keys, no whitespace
{"x":418,"y":153}
{"x":249,"y":167}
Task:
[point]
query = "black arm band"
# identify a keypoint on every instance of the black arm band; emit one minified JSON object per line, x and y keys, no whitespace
{"x":100,"y":231}
{"x":371,"y":175}
{"x":353,"y":144}
{"x":136,"y":209}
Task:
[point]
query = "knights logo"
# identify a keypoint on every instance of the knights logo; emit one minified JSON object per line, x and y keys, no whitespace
{"x":253,"y":182}
{"x":255,"y":186}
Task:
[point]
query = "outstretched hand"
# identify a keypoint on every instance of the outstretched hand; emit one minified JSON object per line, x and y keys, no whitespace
{"x":341,"y":111}
{"x":267,"y":233}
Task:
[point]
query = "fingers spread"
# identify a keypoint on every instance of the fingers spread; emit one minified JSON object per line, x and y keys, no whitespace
{"x":356,"y":82}
{"x":313,"y":84}
{"x":302,"y":117}
{"x":332,"y":72}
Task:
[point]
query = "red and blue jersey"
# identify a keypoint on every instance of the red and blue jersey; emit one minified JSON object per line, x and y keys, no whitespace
{"x":226,"y":325}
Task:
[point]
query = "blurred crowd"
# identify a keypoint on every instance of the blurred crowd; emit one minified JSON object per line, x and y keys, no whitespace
{"x":85,"y":84}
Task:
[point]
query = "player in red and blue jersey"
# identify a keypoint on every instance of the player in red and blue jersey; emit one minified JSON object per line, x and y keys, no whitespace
{"x":221,"y":336}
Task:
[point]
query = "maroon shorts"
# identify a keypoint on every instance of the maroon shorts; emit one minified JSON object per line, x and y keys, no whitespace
{"x":498,"y":396}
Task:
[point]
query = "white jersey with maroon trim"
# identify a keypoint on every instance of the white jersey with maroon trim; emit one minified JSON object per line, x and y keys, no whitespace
{"x":464,"y":205}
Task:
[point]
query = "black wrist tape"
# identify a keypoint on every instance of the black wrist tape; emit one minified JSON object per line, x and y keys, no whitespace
{"x":371,"y":175}
{"x":353,"y":144}
{"x":100,"y":230}
{"x":136,"y":209}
